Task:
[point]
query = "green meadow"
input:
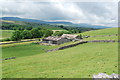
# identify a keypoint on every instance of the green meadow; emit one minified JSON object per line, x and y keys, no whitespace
{"x":82,"y":61}
{"x":108,"y":31}
{"x":102,"y":38}
{"x":77,"y":62}
{"x":27,"y":49}
{"x":5,"y":33}
{"x":102,"y":34}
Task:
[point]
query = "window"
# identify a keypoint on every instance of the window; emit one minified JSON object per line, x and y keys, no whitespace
{"x":54,"y":42}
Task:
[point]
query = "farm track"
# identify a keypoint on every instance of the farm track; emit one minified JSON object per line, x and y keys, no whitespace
{"x":15,"y":42}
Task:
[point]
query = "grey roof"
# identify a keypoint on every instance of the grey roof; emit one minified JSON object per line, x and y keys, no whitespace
{"x":69,"y":36}
{"x":52,"y":38}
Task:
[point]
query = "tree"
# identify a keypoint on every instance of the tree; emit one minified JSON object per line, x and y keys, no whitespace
{"x":59,"y":33}
{"x":21,"y":28}
{"x":61,"y":26}
{"x":26,"y":34}
{"x":16,"y":36}
{"x":36,"y":33}
{"x":47,"y":33}
{"x":80,"y":36}
{"x":29,"y":28}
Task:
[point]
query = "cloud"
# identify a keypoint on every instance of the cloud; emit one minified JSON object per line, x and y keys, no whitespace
{"x":101,"y":13}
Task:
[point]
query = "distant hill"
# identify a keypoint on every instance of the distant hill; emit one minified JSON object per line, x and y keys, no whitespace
{"x":22,"y":19}
{"x":9,"y":24}
{"x":60,"y":22}
{"x":32,"y":20}
{"x":91,"y":26}
{"x":54,"y":23}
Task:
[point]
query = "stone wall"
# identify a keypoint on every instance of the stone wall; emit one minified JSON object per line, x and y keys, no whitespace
{"x":68,"y":46}
{"x":102,"y":41}
{"x":104,"y":76}
{"x":8,"y":58}
{"x":72,"y":45}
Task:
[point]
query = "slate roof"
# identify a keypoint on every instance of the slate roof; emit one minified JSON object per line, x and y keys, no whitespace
{"x":52,"y":38}
{"x":69,"y":36}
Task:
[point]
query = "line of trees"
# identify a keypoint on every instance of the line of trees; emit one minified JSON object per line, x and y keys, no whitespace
{"x":35,"y":33}
{"x":29,"y":34}
{"x":59,"y":33}
{"x":76,"y":29}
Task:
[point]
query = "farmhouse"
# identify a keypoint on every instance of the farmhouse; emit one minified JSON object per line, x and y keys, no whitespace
{"x":55,"y":40}
{"x":60,"y":40}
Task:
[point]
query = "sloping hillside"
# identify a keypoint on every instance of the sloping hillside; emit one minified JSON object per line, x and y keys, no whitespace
{"x":102,"y":34}
{"x":81,"y":61}
{"x":10,"y":23}
{"x":54,"y":22}
{"x":108,"y":31}
{"x":78,"y":62}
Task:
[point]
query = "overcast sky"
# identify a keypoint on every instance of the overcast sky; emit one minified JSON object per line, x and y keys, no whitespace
{"x":96,"y":13}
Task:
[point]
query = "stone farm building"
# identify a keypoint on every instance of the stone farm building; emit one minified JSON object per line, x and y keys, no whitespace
{"x":60,"y":40}
{"x":71,"y":36}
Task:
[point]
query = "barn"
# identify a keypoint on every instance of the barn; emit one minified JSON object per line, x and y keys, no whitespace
{"x":53,"y":40}
{"x":71,"y":36}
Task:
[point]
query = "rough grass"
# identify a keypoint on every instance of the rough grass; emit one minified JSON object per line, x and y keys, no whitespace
{"x":8,"y":21}
{"x":78,"y":62}
{"x":26,"y":49}
{"x":81,"y":61}
{"x":108,"y":31}
{"x":99,"y":33}
{"x":102,"y":38}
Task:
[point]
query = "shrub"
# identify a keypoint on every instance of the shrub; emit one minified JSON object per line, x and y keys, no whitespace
{"x":6,"y":39}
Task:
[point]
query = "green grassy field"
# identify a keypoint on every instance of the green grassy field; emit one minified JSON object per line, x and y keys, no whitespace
{"x":24,"y":50}
{"x":102,"y":38}
{"x":78,"y":62}
{"x":81,"y":61}
{"x":27,"y":49}
{"x":108,"y":31}
{"x":52,"y":28}
{"x":99,"y":33}
{"x":5,"y":33}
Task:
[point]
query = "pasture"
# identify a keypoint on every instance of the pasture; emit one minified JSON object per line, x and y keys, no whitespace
{"x":7,"y":21}
{"x":58,"y":30}
{"x":102,"y":34}
{"x":108,"y":31}
{"x":5,"y":33}
{"x":26,"y":49}
{"x":78,"y":62}
{"x":102,"y":38}
{"x":81,"y":61}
